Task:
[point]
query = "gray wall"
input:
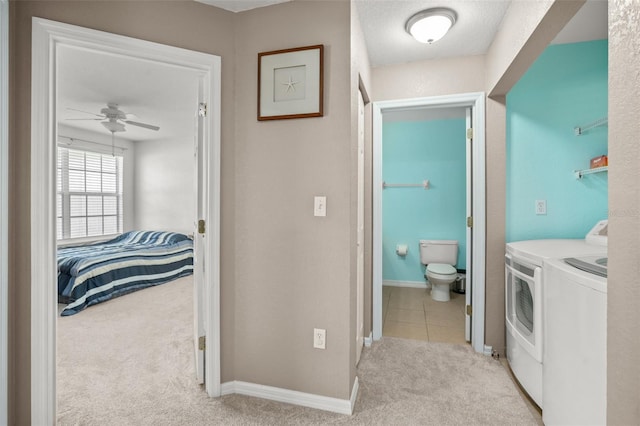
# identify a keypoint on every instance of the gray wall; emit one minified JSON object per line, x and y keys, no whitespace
{"x":293,"y":271}
{"x":623,"y":315}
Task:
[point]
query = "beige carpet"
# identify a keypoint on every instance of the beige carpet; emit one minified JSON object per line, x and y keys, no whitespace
{"x":129,"y":362}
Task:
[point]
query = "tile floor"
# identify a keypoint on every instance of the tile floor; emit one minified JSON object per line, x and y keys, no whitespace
{"x":411,"y":313}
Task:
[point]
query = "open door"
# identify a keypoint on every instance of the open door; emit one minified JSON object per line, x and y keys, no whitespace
{"x":469,"y":156}
{"x":199,"y":236}
{"x":360,"y":233}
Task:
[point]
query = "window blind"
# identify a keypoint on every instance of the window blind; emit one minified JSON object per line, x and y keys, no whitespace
{"x":89,"y":194}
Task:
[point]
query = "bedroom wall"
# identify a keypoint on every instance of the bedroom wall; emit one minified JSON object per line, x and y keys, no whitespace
{"x":184,"y":24}
{"x":165,"y":185}
{"x":129,"y":156}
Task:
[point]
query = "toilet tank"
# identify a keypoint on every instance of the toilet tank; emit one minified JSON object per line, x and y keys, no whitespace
{"x":439,"y":251}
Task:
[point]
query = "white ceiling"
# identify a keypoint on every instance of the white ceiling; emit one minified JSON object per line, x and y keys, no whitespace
{"x":155,"y":94}
{"x":241,"y":5}
{"x":167,"y":96}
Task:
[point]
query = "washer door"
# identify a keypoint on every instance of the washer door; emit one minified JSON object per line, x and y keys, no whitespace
{"x":524,"y":305}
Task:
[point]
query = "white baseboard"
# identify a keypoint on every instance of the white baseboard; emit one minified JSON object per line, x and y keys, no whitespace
{"x":410,"y":284}
{"x":335,"y":405}
{"x":368,"y":340}
{"x":488,"y":350}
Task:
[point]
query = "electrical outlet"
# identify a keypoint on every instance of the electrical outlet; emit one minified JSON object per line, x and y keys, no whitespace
{"x":541,"y":206}
{"x":319,"y":338}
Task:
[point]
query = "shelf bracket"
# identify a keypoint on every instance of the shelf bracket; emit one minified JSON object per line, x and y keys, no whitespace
{"x":581,"y":129}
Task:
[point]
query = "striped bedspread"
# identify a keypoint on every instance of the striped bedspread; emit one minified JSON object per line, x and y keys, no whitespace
{"x":98,"y":272}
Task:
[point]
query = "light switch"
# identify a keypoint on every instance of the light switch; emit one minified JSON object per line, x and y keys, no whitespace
{"x":320,"y":206}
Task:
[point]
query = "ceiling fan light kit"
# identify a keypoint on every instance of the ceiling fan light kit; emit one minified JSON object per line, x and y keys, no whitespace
{"x":115,"y":119}
{"x":113,"y":126}
{"x":430,"y":25}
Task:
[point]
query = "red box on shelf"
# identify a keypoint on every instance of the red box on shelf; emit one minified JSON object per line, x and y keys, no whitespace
{"x":599,"y":161}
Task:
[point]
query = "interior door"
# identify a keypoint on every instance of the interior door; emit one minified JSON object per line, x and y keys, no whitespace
{"x":360,"y":233}
{"x":199,"y":236}
{"x":469,"y":136}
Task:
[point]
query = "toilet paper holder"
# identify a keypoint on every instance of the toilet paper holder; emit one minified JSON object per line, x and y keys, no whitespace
{"x":402,"y":249}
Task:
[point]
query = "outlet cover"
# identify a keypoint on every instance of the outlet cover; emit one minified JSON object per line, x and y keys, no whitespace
{"x":319,"y":338}
{"x":541,"y":206}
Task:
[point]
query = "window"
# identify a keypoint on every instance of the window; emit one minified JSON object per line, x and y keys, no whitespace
{"x":89,"y":194}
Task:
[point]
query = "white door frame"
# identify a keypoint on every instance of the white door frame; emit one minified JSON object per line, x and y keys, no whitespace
{"x":47,"y":36}
{"x":477,"y":102}
{"x":4,"y":207}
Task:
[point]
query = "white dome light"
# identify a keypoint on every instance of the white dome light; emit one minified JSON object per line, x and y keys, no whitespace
{"x":430,"y":25}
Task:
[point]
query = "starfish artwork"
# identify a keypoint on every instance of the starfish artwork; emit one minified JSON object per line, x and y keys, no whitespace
{"x":291,"y":84}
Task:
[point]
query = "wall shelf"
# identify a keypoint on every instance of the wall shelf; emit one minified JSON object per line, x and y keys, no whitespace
{"x":600,"y":122}
{"x":580,"y":173}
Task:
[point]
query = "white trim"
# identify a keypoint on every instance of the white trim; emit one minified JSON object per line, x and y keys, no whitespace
{"x":354,"y":394}
{"x":477,"y":102}
{"x":368,"y":340}
{"x":488,"y":350}
{"x":47,"y":37}
{"x":326,"y":403}
{"x":4,"y":208}
{"x":406,"y":284}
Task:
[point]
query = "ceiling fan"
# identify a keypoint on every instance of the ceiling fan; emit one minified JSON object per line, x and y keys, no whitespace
{"x":114,"y":119}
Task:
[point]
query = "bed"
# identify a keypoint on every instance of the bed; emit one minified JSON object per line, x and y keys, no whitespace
{"x":94,"y":273}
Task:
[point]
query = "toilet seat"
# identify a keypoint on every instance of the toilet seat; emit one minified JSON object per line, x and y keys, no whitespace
{"x":441,"y":271}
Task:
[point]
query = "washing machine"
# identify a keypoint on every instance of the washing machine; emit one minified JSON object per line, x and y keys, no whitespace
{"x":524,"y":303}
{"x":574,"y":374}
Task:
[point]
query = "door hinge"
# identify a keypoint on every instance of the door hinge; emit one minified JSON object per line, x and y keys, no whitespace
{"x":470,"y":133}
{"x":202,"y":109}
{"x":202,"y":343}
{"x":470,"y":222}
{"x":201,"y":226}
{"x":469,"y":310}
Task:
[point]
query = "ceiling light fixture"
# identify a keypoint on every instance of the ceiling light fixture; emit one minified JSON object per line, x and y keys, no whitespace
{"x":431,"y":25}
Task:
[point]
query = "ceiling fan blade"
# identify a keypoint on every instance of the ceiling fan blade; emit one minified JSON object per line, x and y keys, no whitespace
{"x":102,"y":117}
{"x":146,"y":126}
{"x":92,"y":119}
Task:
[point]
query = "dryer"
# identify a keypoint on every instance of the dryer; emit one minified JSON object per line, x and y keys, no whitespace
{"x":524,"y":307}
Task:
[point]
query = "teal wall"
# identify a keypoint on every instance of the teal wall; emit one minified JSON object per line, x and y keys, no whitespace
{"x":566,"y":87}
{"x":412,"y":152}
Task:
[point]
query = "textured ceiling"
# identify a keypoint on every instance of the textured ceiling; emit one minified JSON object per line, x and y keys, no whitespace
{"x":383,"y":24}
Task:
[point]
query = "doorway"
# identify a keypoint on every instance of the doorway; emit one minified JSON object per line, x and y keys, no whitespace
{"x":476,"y":234}
{"x":48,"y":37}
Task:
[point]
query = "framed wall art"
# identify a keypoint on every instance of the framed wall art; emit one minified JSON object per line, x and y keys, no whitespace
{"x":290,"y":83}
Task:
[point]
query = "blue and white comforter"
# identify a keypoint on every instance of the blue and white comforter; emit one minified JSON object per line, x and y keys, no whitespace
{"x":95,"y":273}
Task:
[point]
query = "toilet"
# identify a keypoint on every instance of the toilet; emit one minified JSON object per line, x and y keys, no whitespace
{"x":440,"y":257}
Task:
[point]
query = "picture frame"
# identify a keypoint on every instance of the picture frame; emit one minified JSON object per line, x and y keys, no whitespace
{"x":290,"y":83}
